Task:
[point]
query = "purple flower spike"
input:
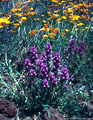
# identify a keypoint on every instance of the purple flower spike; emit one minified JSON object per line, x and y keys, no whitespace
{"x":33,"y":54}
{"x":51,"y":76}
{"x":33,"y":73}
{"x":27,"y":64}
{"x":56,"y":61}
{"x":45,"y":83}
{"x":64,"y":75}
{"x":43,"y":55}
{"x":83,"y":45}
{"x":44,"y":71}
{"x":72,"y":43}
{"x":54,"y":81}
{"x":48,"y":50}
{"x":81,"y":51}
{"x":39,"y":63}
{"x":76,"y":49}
{"x":57,"y":57}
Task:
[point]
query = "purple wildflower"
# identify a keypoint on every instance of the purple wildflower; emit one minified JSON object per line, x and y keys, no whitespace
{"x":76,"y":49}
{"x":56,"y":61}
{"x":44,"y":71}
{"x":83,"y":45}
{"x":43,"y":55}
{"x":81,"y":51}
{"x":72,"y":42}
{"x":64,"y":74}
{"x":33,"y":54}
{"x":39,"y":63}
{"x":51,"y":76}
{"x":48,"y":50}
{"x":27,"y":64}
{"x":54,"y":81}
{"x":33,"y":73}
{"x":45,"y":83}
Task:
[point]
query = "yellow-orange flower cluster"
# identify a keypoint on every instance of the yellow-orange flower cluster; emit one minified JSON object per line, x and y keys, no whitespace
{"x":23,"y":19}
{"x":33,"y":33}
{"x":4,"y":21}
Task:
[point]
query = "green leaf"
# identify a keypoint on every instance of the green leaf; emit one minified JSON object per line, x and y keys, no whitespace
{"x":37,"y":97}
{"x":82,"y":88}
{"x":86,"y":95}
{"x":48,"y":112}
{"x":91,"y":91}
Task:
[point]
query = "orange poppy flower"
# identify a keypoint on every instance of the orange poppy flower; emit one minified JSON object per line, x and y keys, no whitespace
{"x":52,"y":29}
{"x":0,"y":13}
{"x":43,"y":29}
{"x":67,"y":30}
{"x":23,"y":19}
{"x":45,"y":36}
{"x":56,"y":30}
{"x":64,"y":17}
{"x":46,"y":25}
{"x":1,"y":26}
{"x":49,"y":13}
{"x":33,"y":33}
{"x":17,"y":25}
{"x":4,"y":21}
{"x":52,"y":37}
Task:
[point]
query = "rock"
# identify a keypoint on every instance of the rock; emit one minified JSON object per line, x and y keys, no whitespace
{"x":7,"y":108}
{"x":90,"y":105}
{"x":54,"y":115}
{"x":2,"y":117}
